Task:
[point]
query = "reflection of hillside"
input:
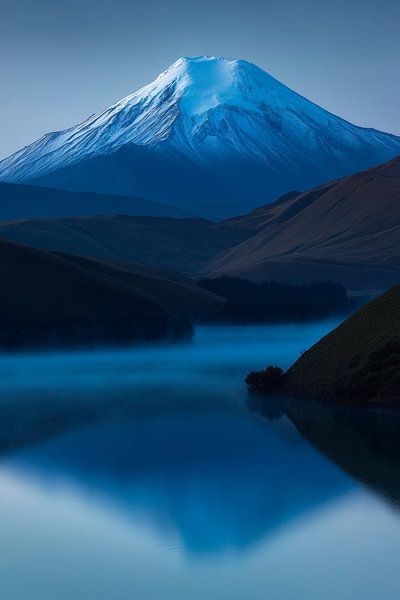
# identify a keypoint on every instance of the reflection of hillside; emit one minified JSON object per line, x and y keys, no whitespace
{"x":364,"y":443}
{"x":26,"y":420}
{"x":218,"y":480}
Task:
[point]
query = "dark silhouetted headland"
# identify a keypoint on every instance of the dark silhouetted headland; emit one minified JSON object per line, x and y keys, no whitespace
{"x":52,"y":299}
{"x":357,"y":363}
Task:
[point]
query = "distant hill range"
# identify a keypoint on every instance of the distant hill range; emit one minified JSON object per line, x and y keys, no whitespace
{"x":25,"y":201}
{"x":346,"y":231}
{"x":184,"y":245}
{"x":214,"y":137}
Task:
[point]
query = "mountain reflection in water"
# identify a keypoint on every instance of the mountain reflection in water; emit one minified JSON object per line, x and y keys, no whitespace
{"x":143,"y":473}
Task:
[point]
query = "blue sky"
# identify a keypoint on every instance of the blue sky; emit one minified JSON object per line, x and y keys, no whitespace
{"x":63,"y":60}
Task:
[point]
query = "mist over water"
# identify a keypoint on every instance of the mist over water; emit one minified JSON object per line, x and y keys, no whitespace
{"x":210,"y":369}
{"x":142,"y":473}
{"x":214,"y":349}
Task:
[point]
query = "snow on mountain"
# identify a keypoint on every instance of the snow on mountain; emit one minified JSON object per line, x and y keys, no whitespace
{"x":213,"y":132}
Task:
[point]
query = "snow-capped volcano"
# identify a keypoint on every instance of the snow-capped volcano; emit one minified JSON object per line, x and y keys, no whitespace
{"x":219,"y":135}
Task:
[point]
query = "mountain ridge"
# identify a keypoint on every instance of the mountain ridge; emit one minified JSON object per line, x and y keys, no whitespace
{"x":183,"y":245}
{"x":208,"y":132}
{"x":346,"y":230}
{"x":56,"y":299}
{"x":21,"y":201}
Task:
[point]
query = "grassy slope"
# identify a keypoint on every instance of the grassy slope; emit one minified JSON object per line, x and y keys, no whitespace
{"x":346,"y":231}
{"x":61,"y":299}
{"x":180,"y":297}
{"x":314,"y":374}
{"x":180,"y":244}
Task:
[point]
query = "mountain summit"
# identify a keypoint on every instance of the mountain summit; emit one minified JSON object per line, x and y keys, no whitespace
{"x":213,"y":135}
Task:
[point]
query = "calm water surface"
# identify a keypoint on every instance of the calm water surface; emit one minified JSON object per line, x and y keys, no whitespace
{"x":142,"y":474}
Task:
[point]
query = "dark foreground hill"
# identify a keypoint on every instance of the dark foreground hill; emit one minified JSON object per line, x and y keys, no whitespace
{"x":346,"y":231}
{"x":52,"y":299}
{"x":19,"y":201}
{"x":357,"y":363}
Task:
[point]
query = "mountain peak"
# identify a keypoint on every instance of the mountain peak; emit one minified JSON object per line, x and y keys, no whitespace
{"x":200,"y":83}
{"x":204,"y":63}
{"x":200,"y":61}
{"x":227,"y":122}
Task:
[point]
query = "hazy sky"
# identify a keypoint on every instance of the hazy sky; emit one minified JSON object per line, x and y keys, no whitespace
{"x":62,"y":60}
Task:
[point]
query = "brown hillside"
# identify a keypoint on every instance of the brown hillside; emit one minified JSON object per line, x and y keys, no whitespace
{"x":346,"y":231}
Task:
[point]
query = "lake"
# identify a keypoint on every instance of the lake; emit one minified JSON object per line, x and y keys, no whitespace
{"x":144,"y":474}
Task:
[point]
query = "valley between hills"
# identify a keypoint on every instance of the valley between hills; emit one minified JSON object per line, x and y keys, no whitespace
{"x":346,"y":231}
